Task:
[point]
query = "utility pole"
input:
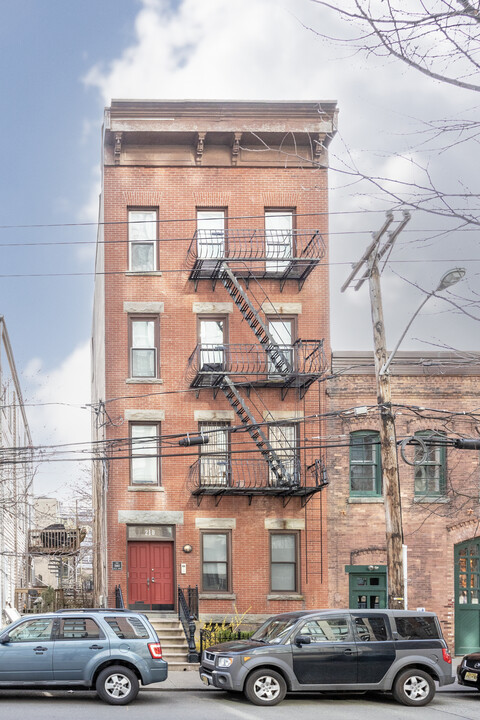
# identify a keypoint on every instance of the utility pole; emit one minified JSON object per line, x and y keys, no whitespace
{"x":388,"y":441}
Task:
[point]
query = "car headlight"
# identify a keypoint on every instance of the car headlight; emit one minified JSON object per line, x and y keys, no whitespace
{"x":224,"y":662}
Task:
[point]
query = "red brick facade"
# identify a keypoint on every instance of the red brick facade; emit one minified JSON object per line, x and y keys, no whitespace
{"x":175,"y":170}
{"x":430,"y":392}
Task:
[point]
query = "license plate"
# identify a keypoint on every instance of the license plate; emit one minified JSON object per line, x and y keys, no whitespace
{"x":205,"y":680}
{"x":471,"y":676}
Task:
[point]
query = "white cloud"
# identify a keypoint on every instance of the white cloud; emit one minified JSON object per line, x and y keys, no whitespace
{"x":54,"y":401}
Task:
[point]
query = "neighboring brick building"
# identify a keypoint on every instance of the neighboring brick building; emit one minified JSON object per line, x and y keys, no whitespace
{"x":433,"y":394}
{"x":212,"y":316}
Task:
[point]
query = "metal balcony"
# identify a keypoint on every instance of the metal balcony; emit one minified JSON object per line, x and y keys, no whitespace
{"x":55,"y":541}
{"x":220,"y":476}
{"x":251,"y":365}
{"x":282,"y":255}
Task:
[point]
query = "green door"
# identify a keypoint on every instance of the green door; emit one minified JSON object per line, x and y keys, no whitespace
{"x":367,"y":586}
{"x":467,"y":597}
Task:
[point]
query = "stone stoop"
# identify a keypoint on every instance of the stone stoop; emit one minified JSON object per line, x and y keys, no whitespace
{"x":172,"y":638}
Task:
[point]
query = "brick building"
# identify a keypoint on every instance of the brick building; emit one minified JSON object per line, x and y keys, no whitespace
{"x":436,"y":397}
{"x":211,"y":318}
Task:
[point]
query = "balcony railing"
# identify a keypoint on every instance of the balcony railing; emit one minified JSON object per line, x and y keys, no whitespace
{"x":220,"y":476}
{"x":251,"y":364}
{"x":277,"y":254}
{"x":55,"y":541}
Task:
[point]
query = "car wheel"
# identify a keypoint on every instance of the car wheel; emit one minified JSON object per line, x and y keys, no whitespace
{"x":117,"y":685}
{"x":413,"y":687}
{"x":265,"y":687}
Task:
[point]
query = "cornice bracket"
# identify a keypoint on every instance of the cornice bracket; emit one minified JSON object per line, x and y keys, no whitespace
{"x":200,"y":147}
{"x":237,"y":137}
{"x":117,"y":150}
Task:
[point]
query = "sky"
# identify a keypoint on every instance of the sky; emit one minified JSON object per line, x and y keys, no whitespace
{"x":61,"y":64}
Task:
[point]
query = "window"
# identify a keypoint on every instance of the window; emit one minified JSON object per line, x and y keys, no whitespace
{"x":283,"y":439}
{"x":430,"y":475}
{"x":142,"y":240}
{"x":281,"y":331}
{"x":327,"y":630}
{"x":144,"y":347}
{"x":416,"y":628}
{"x":212,"y":332}
{"x":371,"y":628}
{"x":284,"y":562}
{"x":278,"y":239}
{"x":216,"y":562}
{"x":78,"y":629}
{"x":214,"y":457}
{"x":127,"y":628}
{"x":32,"y":630}
{"x":145,"y":451}
{"x":210,"y":234}
{"x":365,"y":464}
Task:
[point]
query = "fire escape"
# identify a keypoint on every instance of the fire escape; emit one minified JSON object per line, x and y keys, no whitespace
{"x":236,"y":259}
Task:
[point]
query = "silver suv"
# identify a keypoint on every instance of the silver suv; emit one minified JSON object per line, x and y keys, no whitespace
{"x":107,"y":650}
{"x":328,"y":650}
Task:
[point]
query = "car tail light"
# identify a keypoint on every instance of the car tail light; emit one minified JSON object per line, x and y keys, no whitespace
{"x":155,"y":650}
{"x":446,"y":656}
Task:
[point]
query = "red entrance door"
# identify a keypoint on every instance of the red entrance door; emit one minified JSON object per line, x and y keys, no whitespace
{"x":150,"y":575}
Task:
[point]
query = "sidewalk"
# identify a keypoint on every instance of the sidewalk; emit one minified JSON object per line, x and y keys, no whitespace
{"x":190,"y":680}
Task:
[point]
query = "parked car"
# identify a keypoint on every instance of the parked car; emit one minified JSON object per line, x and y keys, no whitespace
{"x":468,"y":672}
{"x":107,"y":650}
{"x":328,"y":650}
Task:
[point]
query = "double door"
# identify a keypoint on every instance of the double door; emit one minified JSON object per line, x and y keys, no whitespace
{"x":151,"y":576}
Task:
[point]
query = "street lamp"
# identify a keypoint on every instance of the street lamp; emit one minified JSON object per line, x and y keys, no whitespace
{"x":451,"y":277}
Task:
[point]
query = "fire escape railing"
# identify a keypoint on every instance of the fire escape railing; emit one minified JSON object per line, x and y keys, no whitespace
{"x":282,"y":254}
{"x":222,"y":475}
{"x":250,"y":363}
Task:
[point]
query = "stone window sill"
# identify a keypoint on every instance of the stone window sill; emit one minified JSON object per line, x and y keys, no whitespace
{"x":146,"y":273}
{"x":285,"y":596}
{"x":431,"y":499}
{"x":364,"y":500}
{"x":145,"y":488}
{"x":144,"y":381}
{"x":217,"y":596}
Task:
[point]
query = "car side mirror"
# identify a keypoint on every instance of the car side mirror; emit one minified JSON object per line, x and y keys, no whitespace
{"x":303,"y":640}
{"x":4,"y":639}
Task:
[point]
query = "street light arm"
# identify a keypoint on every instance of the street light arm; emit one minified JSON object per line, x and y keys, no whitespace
{"x":386,"y":365}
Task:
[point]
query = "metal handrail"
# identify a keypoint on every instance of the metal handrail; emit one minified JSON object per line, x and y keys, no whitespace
{"x":220,"y":471}
{"x":188,"y":624}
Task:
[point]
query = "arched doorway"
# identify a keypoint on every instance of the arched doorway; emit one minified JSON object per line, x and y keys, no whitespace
{"x":467,"y":596}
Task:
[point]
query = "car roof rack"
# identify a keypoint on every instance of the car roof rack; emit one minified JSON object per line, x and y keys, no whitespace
{"x":92,"y":610}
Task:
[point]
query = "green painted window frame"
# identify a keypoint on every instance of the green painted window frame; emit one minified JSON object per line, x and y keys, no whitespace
{"x":376,"y":462}
{"x":436,"y":462}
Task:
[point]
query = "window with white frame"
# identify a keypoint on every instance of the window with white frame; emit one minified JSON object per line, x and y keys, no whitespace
{"x":142,"y":240}
{"x":210,"y":233}
{"x":283,"y":439}
{"x":144,"y":346}
{"x":145,"y":451}
{"x":284,"y":562}
{"x":278,"y":239}
{"x":214,"y":457}
{"x":216,"y":570}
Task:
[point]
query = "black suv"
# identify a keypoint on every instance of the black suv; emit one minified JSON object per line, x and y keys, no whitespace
{"x":328,"y":650}
{"x":110,"y":651}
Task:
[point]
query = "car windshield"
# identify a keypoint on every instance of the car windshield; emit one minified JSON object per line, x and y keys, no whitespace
{"x":274,"y":631}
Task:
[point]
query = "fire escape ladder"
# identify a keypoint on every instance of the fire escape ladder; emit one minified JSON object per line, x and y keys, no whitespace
{"x":282,"y":476}
{"x":249,"y":312}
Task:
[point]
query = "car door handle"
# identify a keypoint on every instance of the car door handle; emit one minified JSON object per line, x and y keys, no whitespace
{"x":95,"y":647}
{"x":349,"y":651}
{"x":39,"y":648}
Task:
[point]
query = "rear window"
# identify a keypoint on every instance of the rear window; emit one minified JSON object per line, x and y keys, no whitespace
{"x":417,"y":628}
{"x":128,"y":628}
